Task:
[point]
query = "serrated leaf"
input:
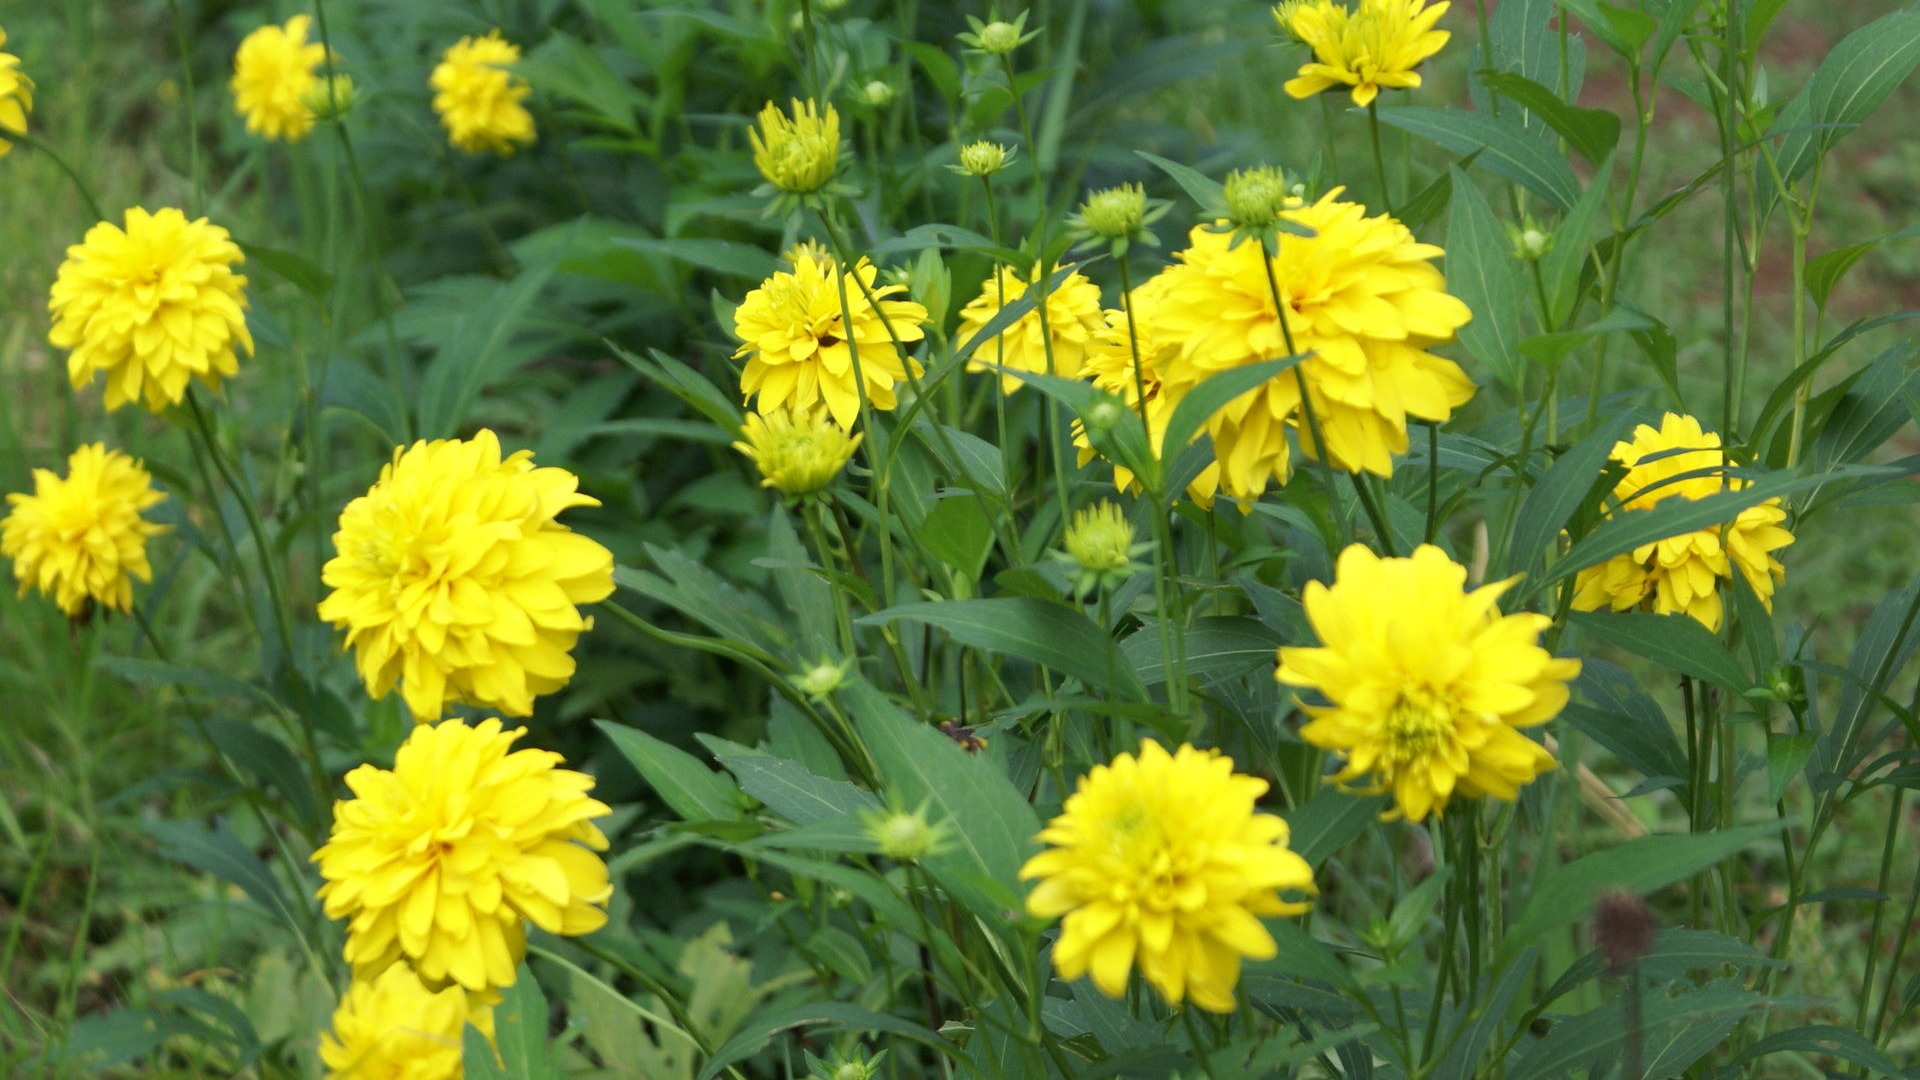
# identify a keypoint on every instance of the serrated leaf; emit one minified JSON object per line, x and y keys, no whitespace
{"x":1052,"y":635}
{"x":1593,"y":132}
{"x":683,"y":782}
{"x":795,"y":792}
{"x":1506,"y":147}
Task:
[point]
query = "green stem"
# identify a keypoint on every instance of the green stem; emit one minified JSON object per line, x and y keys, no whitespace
{"x":1379,"y":159}
{"x":193,"y":111}
{"x":79,"y":185}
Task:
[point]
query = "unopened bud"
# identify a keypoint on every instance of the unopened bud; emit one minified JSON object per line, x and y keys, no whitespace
{"x":1255,"y":197}
{"x":330,"y":98}
{"x":878,"y":94}
{"x":1116,"y":213}
{"x":999,"y":37}
{"x":982,"y":158}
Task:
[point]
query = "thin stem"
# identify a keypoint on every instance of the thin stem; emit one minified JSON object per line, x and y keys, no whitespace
{"x":1379,"y":159}
{"x":79,"y":185}
{"x":193,"y":112}
{"x":1880,"y":907}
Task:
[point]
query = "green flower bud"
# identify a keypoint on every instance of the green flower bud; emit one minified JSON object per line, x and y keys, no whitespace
{"x":1255,"y":197}
{"x":999,"y":37}
{"x":1116,"y":213}
{"x":983,"y":158}
{"x":330,"y":98}
{"x":877,"y":94}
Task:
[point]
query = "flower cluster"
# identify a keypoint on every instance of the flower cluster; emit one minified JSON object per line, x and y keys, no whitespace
{"x":1376,"y":46}
{"x":453,"y":579}
{"x":273,"y":74}
{"x":152,"y":306}
{"x":1161,"y":862}
{"x":1425,"y":684}
{"x":479,"y":98}
{"x":81,"y":539}
{"x":16,"y":97}
{"x":800,"y":331}
{"x":1683,"y":573}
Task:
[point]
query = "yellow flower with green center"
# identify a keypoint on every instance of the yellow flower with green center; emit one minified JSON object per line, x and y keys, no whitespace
{"x":479,"y":98}
{"x":16,"y":97}
{"x":798,"y":454}
{"x":441,"y":861}
{"x":453,"y":579}
{"x":152,"y":306}
{"x":1683,"y":573}
{"x":799,"y":343}
{"x":797,"y":153}
{"x":1363,"y":303}
{"x":1073,"y":316}
{"x":1425,"y":684}
{"x":1160,"y":862}
{"x":391,"y":1027}
{"x":1376,"y":46}
{"x":80,"y":539}
{"x":273,"y":72}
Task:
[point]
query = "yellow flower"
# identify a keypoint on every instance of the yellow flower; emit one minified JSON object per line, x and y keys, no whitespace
{"x":1362,"y":298}
{"x":16,"y":97}
{"x":1426,"y":684}
{"x":1683,"y":573}
{"x":452,"y":577}
{"x":1373,"y":47}
{"x":478,"y":97}
{"x":1110,"y":366}
{"x":1161,"y":862}
{"x":273,"y":71}
{"x":797,"y":153}
{"x":796,"y":341}
{"x":81,"y":539}
{"x":152,"y":306}
{"x":1073,"y":316}
{"x":391,"y":1027}
{"x":442,"y":860}
{"x":799,"y":453}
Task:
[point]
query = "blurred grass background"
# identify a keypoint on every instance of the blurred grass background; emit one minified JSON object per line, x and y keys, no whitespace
{"x":92,"y":917}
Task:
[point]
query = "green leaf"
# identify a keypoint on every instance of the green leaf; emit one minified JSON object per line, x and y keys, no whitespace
{"x":1505,"y":146}
{"x":1825,"y":1040}
{"x":1214,"y":393}
{"x":682,"y":781}
{"x":1640,"y":866}
{"x":1627,"y":721}
{"x":805,"y":595}
{"x":477,"y":353}
{"x":1203,"y":189}
{"x":1787,"y":755}
{"x":1593,"y":132}
{"x":1676,"y":642}
{"x":991,"y":825}
{"x":1553,"y":348}
{"x":520,"y":1029}
{"x":1330,"y":820}
{"x":1482,"y":273}
{"x":1217,"y":647}
{"x":295,"y":269}
{"x":958,"y":534}
{"x":1870,"y":411}
{"x":1051,"y":635}
{"x":270,"y":760}
{"x":687,"y":585}
{"x":1564,"y":488}
{"x":1825,"y":270}
{"x":1562,"y":267}
{"x":720,"y":256}
{"x":1598,"y":1038}
{"x":1850,"y":84}
{"x":822,"y":1017}
{"x":793,"y":791}
{"x":220,"y":853}
{"x":683,"y":382}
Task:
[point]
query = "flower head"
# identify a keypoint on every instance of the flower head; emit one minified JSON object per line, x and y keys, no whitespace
{"x":1254,"y":197}
{"x":1426,"y":683}
{"x":983,"y":158}
{"x":1362,"y":303}
{"x":1161,"y":862}
{"x":797,"y":153}
{"x":1073,"y":315}
{"x":81,"y":539}
{"x":391,"y":1027}
{"x":1372,"y":47}
{"x":800,"y":349}
{"x":442,"y":860}
{"x":153,"y":306}
{"x":478,"y":97}
{"x":1683,"y":573}
{"x":798,"y":454}
{"x":273,"y":72}
{"x":997,"y":38}
{"x":453,"y":578}
{"x":330,"y":98}
{"x":16,"y":97}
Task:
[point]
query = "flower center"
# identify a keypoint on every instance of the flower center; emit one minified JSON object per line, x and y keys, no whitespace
{"x":1418,"y":724}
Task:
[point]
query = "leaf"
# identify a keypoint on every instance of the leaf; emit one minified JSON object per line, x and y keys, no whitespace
{"x":1787,"y":756}
{"x":1204,"y":190}
{"x":1561,"y":491}
{"x":1329,"y":820}
{"x":476,"y":353}
{"x":687,"y":585}
{"x":991,"y":825}
{"x":682,"y":781}
{"x":1825,"y":270}
{"x":1052,"y":635}
{"x":270,"y":760}
{"x":1883,"y":648}
{"x":1593,"y":132}
{"x":806,"y":596}
{"x":1212,"y":394}
{"x":1506,"y":147}
{"x":218,"y":852}
{"x":720,"y":256}
{"x":1552,"y":348}
{"x":1677,"y":642}
{"x":1849,"y":85}
{"x":520,"y":1030}
{"x":1597,"y":1038}
{"x":825,"y":1015}
{"x":958,"y":533}
{"x":295,"y":269}
{"x":1563,"y":266}
{"x":683,"y":382}
{"x":1876,"y":406}
{"x":791,"y":790}
{"x":1640,"y":866}
{"x":1481,"y":272}
{"x":1464,"y":1062}
{"x":1217,"y":647}
{"x":1825,"y":1039}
